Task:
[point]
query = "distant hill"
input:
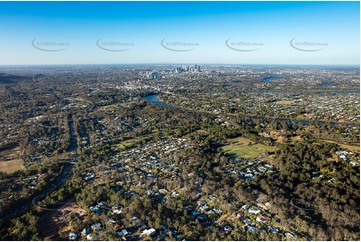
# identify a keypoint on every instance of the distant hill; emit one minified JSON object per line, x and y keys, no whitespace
{"x":8,"y":78}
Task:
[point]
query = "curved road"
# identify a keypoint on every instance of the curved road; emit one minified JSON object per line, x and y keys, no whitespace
{"x":58,"y":182}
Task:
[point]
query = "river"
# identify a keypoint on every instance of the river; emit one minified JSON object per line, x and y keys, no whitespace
{"x":153,"y":98}
{"x":270,"y":78}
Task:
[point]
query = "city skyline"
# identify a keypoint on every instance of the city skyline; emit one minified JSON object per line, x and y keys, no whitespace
{"x":295,"y":33}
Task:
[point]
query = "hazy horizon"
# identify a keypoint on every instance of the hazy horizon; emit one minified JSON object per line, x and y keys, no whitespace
{"x":177,"y":64}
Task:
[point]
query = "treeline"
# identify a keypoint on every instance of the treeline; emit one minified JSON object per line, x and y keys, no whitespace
{"x":320,"y":195}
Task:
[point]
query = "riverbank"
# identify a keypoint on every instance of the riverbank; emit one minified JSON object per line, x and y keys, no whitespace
{"x":154,"y":98}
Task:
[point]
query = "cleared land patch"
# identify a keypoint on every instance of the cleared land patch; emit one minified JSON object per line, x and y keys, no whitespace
{"x":9,"y":160}
{"x":245,"y":148}
{"x":285,"y":102}
{"x":352,"y":148}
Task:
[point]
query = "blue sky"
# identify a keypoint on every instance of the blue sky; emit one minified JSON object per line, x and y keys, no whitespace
{"x":258,"y":32}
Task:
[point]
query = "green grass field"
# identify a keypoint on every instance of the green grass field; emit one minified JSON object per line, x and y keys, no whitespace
{"x":125,"y":144}
{"x":130,"y":142}
{"x":245,"y":148}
